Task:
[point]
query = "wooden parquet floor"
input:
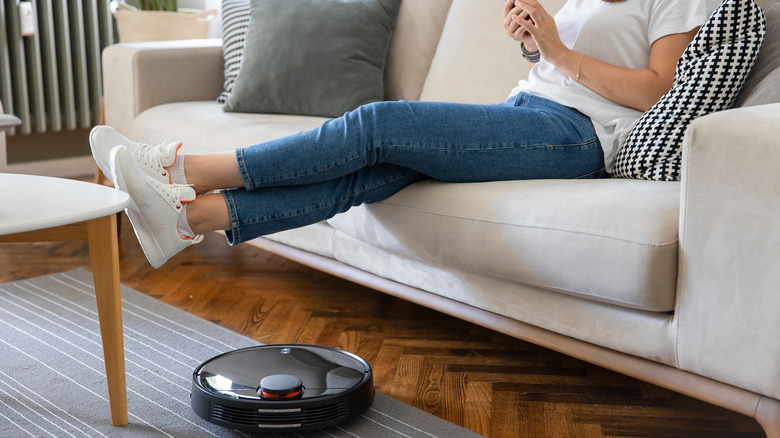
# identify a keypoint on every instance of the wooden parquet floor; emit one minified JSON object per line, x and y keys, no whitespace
{"x":493,"y":384}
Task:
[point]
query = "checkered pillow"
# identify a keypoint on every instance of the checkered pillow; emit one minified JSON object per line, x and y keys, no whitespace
{"x":235,"y":22}
{"x":708,"y":78}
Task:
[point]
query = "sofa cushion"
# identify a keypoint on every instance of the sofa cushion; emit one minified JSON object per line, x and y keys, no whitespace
{"x":203,"y":127}
{"x":708,"y":78}
{"x":765,"y":92}
{"x":612,"y":241}
{"x":313,"y":57}
{"x":414,"y":42}
{"x":476,"y":62}
{"x":412,"y":46}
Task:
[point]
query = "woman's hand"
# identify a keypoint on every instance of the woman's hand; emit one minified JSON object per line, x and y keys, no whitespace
{"x":514,"y":29}
{"x":535,"y":21}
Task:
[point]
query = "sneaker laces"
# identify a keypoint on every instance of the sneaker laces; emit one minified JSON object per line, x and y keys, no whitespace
{"x":151,"y":156}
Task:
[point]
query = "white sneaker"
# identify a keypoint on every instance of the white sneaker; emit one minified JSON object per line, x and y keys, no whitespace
{"x":153,"y":160}
{"x":155,"y":208}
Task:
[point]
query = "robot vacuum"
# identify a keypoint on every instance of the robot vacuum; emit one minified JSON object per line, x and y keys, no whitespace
{"x":282,"y":388}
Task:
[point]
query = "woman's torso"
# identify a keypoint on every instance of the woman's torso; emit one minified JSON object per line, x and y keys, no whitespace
{"x":622,"y":34}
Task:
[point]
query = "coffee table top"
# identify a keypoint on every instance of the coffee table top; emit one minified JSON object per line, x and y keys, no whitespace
{"x":29,"y":202}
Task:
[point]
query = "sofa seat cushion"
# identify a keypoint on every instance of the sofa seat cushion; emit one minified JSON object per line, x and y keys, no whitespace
{"x":203,"y":127}
{"x":611,"y":240}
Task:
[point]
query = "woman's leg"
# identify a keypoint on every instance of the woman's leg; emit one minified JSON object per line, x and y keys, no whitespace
{"x":528,"y":138}
{"x":311,"y":176}
{"x":374,"y":151}
{"x":208,"y":213}
{"x":269,"y":210}
{"x":244,"y":214}
{"x":212,"y":171}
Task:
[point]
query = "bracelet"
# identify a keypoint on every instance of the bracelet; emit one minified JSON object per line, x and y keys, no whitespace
{"x":579,"y":64}
{"x":530,"y":56}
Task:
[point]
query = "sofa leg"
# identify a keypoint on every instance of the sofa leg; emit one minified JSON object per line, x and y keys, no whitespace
{"x":768,"y":416}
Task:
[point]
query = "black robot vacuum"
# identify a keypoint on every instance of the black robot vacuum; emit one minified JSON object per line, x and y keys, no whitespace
{"x":282,"y":388}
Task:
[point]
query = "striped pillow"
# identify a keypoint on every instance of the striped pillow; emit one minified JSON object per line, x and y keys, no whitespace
{"x":708,"y":78}
{"x":235,"y":22}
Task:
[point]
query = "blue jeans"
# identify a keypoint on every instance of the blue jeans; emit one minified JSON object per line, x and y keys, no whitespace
{"x":371,"y":153}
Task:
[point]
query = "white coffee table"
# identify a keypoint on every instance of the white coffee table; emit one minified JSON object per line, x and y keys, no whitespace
{"x":44,"y":209}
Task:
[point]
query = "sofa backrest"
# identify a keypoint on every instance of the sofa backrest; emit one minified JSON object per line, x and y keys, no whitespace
{"x":763,"y":84}
{"x":475,"y":61}
{"x":416,"y":35}
{"x":457,"y":51}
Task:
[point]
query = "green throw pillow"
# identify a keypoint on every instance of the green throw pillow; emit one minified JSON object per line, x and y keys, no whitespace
{"x":313,"y":57}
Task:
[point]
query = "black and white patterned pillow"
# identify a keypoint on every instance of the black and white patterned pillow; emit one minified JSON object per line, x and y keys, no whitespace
{"x":235,"y":23}
{"x":708,"y":78}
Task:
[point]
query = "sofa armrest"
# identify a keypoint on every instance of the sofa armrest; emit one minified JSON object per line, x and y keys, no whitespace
{"x":728,"y":310}
{"x":138,"y":76}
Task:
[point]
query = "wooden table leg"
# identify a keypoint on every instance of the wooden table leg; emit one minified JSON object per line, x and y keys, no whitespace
{"x":104,"y":255}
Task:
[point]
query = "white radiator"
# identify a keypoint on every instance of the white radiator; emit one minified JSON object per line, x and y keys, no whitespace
{"x":50,"y":71}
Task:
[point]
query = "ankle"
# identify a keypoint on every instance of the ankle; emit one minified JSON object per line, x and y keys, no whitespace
{"x":194,"y":221}
{"x":208,"y":213}
{"x":209,"y":172}
{"x":189,"y":167}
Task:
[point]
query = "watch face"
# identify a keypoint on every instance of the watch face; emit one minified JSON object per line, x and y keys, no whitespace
{"x":321,"y":370}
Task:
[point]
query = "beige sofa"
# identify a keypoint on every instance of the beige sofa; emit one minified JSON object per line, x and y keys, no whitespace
{"x":676,"y":283}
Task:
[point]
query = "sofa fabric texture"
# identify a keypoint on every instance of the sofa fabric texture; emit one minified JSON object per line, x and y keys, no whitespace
{"x":729,"y":301}
{"x":414,"y":42}
{"x":514,"y":230}
{"x":708,"y":78}
{"x":313,"y":57}
{"x":475,"y":45}
{"x":202,"y":126}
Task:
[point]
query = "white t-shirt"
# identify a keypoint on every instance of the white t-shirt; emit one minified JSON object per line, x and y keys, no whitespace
{"x":617,"y":33}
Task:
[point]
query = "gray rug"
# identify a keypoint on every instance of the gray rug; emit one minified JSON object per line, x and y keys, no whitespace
{"x":52,"y":379}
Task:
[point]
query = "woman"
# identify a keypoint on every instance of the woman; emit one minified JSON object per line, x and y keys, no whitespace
{"x":597,"y":65}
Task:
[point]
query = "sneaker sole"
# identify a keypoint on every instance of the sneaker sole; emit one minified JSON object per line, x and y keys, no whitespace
{"x":143,"y":232}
